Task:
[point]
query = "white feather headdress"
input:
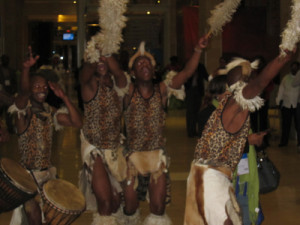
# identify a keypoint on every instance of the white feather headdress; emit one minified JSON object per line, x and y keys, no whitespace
{"x":141,"y":52}
{"x":246,"y":65}
{"x":221,"y":15}
{"x":291,"y":34}
{"x":111,"y":21}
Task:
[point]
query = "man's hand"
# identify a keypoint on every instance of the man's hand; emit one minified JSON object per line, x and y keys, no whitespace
{"x":57,"y":89}
{"x":256,"y":138}
{"x":202,"y":43}
{"x":30,"y":61}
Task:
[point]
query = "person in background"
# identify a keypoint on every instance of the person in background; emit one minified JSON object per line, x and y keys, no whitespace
{"x":259,"y":119}
{"x":54,"y":71}
{"x":194,"y":88}
{"x":8,"y":87}
{"x":296,"y":83}
{"x":216,"y":87}
{"x":287,"y":100}
{"x":8,"y":79}
{"x":59,"y":69}
{"x":174,"y":65}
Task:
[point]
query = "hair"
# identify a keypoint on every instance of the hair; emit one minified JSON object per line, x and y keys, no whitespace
{"x":217,"y":85}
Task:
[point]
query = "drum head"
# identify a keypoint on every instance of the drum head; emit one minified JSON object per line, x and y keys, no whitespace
{"x":19,"y":176}
{"x":64,"y":195}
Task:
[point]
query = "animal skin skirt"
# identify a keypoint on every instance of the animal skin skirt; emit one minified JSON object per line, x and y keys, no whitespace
{"x":210,"y":198}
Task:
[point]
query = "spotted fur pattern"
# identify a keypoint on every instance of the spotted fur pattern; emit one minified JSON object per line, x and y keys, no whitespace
{"x":145,"y":121}
{"x":102,"y":124}
{"x":35,"y":142}
{"x":218,"y":147}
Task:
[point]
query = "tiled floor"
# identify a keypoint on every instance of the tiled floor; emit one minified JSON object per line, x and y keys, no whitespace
{"x":280,"y":207}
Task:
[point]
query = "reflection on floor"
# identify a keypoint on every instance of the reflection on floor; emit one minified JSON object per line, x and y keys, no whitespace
{"x":279,"y":207}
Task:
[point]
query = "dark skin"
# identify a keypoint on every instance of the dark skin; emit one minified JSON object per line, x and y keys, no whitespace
{"x":253,"y":139}
{"x":4,"y":135}
{"x":107,"y":200}
{"x":99,"y":72}
{"x":36,"y":89}
{"x":143,"y":70}
{"x":234,"y":116}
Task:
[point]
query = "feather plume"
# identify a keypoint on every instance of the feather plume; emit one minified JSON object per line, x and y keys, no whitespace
{"x":142,"y":48}
{"x":291,"y":34}
{"x":221,"y":15}
{"x":111,"y":21}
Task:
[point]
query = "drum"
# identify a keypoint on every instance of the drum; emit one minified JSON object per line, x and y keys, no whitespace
{"x":16,"y":185}
{"x":63,"y":202}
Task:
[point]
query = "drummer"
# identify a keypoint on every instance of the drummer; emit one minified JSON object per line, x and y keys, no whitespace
{"x":34,"y":122}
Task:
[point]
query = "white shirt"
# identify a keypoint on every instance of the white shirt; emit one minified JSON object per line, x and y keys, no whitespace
{"x":296,"y":83}
{"x":288,"y":92}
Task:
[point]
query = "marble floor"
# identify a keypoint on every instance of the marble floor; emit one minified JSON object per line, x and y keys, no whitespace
{"x":279,"y":207}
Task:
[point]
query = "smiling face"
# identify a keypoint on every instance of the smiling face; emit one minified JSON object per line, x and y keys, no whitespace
{"x":39,"y":89}
{"x":143,"y":69}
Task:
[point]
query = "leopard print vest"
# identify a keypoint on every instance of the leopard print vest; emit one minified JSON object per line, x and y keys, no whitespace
{"x":217,"y":147}
{"x":145,"y":122}
{"x":35,"y":143}
{"x":102,"y":123}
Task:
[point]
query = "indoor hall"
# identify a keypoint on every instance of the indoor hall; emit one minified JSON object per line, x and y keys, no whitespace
{"x":255,"y":30}
{"x":279,"y":207}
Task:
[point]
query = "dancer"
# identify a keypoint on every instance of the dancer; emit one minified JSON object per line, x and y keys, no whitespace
{"x":245,"y":178}
{"x":34,"y":122}
{"x":210,"y":197}
{"x":145,"y":107}
{"x":103,"y":86}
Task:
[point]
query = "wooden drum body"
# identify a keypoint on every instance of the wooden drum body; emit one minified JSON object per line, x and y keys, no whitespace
{"x":16,"y":185}
{"x":63,"y":202}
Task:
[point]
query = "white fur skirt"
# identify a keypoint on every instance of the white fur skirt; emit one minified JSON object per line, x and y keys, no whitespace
{"x":210,"y":197}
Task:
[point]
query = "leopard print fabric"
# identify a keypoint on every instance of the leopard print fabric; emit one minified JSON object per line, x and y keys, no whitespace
{"x":145,"y":122}
{"x":102,"y":123}
{"x":217,"y":147}
{"x":35,"y":143}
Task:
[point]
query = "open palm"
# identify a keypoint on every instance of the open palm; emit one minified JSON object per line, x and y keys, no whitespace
{"x":30,"y":61}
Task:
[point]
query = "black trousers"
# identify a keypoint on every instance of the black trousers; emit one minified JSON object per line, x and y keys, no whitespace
{"x":193,"y":103}
{"x":287,"y":114}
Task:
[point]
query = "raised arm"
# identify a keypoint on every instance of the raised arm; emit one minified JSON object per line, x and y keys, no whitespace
{"x":257,"y":85}
{"x":22,"y":98}
{"x":117,"y":72}
{"x":73,"y":118}
{"x":87,"y":72}
{"x":191,"y":65}
{"x":87,"y":81}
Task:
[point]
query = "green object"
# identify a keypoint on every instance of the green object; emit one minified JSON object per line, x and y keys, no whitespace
{"x":253,"y":183}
